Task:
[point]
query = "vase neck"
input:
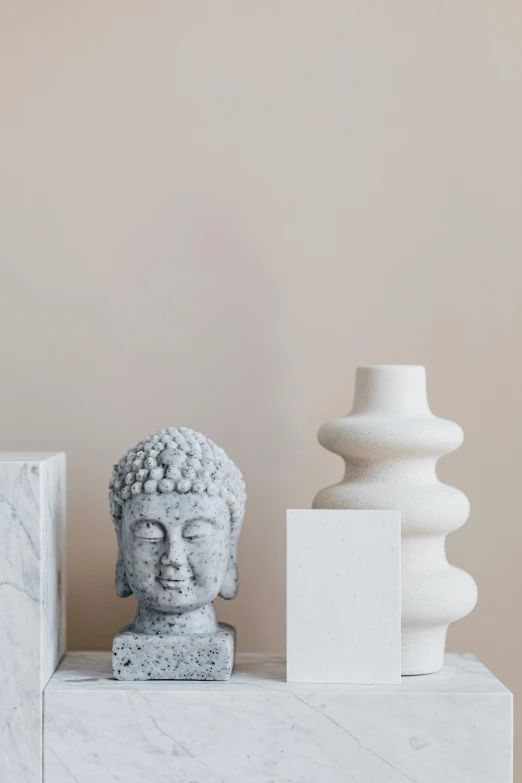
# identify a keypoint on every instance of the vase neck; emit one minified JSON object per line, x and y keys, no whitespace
{"x":391,"y":390}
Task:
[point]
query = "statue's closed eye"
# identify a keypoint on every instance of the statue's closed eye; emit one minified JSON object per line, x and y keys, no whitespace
{"x":198,"y":529}
{"x":150,"y":531}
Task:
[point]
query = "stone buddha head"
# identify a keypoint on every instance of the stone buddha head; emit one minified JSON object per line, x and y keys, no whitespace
{"x":177,"y":503}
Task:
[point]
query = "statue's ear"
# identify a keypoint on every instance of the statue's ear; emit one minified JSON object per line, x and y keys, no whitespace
{"x":121,"y":583}
{"x":230,"y":582}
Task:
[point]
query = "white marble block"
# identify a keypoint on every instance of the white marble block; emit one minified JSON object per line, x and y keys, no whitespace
{"x":454,"y":726}
{"x":32,"y":620}
{"x":343,"y":596}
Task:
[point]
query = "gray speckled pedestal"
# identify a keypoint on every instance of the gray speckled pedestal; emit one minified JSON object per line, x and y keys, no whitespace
{"x":138,"y":656}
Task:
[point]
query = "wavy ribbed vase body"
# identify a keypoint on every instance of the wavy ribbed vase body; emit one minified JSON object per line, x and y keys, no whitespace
{"x":390,"y":443}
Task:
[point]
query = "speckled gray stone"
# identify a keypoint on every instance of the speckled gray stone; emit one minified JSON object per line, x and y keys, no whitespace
{"x":206,"y":656}
{"x":177,"y":503}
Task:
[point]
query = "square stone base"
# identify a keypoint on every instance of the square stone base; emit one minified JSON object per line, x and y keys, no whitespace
{"x":137,"y":656}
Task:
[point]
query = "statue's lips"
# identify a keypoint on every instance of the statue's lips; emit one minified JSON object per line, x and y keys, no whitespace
{"x":172,"y":584}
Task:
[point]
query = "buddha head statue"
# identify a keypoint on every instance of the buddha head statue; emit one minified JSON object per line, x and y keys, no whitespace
{"x":177,"y":502}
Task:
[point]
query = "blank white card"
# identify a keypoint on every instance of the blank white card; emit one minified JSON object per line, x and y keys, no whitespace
{"x":343,"y":596}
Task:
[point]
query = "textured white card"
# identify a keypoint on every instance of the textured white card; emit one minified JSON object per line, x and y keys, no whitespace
{"x":343,"y":596}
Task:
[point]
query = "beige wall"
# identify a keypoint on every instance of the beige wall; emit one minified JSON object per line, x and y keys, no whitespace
{"x":213,"y":211}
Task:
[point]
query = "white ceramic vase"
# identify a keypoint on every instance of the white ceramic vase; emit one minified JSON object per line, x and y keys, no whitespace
{"x":391,"y":442}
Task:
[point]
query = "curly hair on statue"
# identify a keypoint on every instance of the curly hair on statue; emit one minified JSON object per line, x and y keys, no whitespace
{"x":177,"y":459}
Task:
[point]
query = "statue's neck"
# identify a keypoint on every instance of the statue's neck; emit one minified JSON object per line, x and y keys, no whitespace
{"x":150,"y":621}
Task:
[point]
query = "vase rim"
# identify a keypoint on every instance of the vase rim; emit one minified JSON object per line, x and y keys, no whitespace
{"x":391,"y":389}
{"x":391,"y":367}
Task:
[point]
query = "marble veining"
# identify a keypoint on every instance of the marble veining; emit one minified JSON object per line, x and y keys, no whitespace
{"x":462,"y":672}
{"x":32,"y":497}
{"x":455,"y":725}
{"x":177,"y":503}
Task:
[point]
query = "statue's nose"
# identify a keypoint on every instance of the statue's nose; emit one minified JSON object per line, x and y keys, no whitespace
{"x":174,"y":556}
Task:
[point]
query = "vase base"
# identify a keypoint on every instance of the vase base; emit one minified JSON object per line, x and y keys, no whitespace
{"x":422,"y":649}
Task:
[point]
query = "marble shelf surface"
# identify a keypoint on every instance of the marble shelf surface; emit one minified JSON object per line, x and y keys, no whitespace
{"x":455,"y":725}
